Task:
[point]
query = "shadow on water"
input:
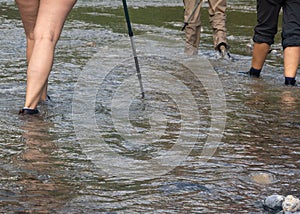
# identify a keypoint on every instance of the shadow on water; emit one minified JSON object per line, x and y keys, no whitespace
{"x":44,"y":170}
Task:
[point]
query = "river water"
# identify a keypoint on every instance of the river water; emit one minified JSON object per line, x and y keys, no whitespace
{"x":206,"y":139}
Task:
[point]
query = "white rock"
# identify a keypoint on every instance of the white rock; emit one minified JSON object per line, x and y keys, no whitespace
{"x":291,"y":204}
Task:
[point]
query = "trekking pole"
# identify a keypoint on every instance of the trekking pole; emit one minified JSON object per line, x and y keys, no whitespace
{"x":191,"y":15}
{"x":130,"y":33}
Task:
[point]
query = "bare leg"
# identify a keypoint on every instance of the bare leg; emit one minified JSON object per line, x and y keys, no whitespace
{"x":47,"y":29}
{"x":260,"y":52}
{"x":28,"y":11}
{"x":291,"y":61}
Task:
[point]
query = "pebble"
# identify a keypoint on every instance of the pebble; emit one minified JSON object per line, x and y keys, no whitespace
{"x":291,"y":204}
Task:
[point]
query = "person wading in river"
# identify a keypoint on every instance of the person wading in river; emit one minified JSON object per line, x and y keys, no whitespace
{"x":192,"y":26}
{"x":265,"y":31}
{"x":43,"y":21}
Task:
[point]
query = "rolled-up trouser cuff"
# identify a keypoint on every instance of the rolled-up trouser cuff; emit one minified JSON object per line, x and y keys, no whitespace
{"x":290,"y":42}
{"x":259,"y":39}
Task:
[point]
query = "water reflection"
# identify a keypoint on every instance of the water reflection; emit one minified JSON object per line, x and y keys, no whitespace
{"x":42,"y":189}
{"x":288,"y":101}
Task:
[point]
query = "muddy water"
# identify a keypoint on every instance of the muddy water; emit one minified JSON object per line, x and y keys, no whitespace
{"x":48,"y":167}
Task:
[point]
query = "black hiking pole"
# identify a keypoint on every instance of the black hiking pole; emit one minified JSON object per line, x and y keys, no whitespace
{"x":130,"y":33}
{"x":191,"y":15}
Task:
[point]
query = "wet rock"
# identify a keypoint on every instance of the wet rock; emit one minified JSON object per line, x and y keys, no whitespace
{"x":273,"y":203}
{"x":263,"y":178}
{"x":291,"y":204}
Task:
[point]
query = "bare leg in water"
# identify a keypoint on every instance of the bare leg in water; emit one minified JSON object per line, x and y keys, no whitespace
{"x":291,"y":60}
{"x":43,"y":21}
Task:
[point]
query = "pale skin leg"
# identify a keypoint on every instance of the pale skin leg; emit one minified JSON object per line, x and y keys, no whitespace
{"x":29,"y":11}
{"x":43,"y":22}
{"x":291,"y":61}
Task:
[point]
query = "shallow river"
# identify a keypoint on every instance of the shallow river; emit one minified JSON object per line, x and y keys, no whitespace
{"x":205,"y":139}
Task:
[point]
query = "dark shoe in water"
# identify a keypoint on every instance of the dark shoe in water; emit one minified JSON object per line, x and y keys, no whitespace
{"x":29,"y":111}
{"x":254,"y":72}
{"x":290,"y":81}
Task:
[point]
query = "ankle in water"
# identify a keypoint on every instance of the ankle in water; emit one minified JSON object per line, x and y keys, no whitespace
{"x":290,"y":81}
{"x":254,"y":72}
{"x":29,"y":111}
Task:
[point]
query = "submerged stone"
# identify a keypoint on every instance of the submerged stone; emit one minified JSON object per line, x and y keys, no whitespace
{"x":263,"y":178}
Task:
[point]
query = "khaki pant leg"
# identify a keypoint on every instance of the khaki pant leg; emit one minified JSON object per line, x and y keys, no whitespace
{"x":217,"y":18}
{"x":193,"y":29}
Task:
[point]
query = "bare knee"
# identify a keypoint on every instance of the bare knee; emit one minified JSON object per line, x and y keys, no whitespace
{"x":49,"y":37}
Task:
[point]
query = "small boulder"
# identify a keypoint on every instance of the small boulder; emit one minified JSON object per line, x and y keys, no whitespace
{"x":291,"y":204}
{"x":273,"y":203}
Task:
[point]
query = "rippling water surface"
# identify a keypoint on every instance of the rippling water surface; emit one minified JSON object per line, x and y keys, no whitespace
{"x":69,"y":159}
